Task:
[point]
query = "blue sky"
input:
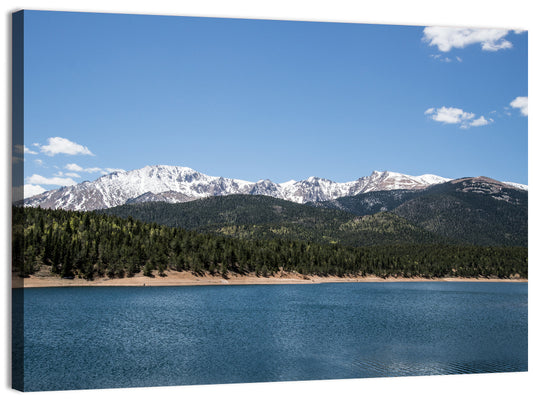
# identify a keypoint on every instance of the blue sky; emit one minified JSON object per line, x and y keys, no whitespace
{"x":254,"y":99}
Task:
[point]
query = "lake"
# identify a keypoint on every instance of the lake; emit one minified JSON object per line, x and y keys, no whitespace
{"x":111,"y":337}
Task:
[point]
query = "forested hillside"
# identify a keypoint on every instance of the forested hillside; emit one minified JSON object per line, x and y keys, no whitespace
{"x":477,"y":211}
{"x":261,"y":217}
{"x":370,"y":203}
{"x":88,"y":245}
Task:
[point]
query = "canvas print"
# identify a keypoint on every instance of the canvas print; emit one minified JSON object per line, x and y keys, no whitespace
{"x":211,"y":201}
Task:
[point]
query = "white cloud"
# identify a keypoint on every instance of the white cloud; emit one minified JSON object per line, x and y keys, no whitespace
{"x":451,"y":115}
{"x":74,"y":167}
{"x":28,"y":151}
{"x":77,"y":168}
{"x":94,"y":170}
{"x":30,"y":190}
{"x":448,"y":38}
{"x":521,"y":104}
{"x":69,"y":174}
{"x":440,"y":58}
{"x":61,"y":174}
{"x":53,"y":181}
{"x":39,"y":162}
{"x":60,"y":145}
{"x":481,"y":121}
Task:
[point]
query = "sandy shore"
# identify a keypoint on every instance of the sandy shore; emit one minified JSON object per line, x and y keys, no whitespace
{"x":174,"y":278}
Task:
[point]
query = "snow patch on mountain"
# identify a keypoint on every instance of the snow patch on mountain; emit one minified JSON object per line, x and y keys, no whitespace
{"x":181,"y":184}
{"x":517,"y":185}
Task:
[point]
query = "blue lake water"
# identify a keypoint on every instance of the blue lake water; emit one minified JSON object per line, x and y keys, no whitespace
{"x":108,"y":337}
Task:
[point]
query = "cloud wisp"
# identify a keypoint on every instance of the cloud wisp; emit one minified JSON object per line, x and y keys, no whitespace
{"x":28,"y":151}
{"x":77,"y":168}
{"x":446,"y":38}
{"x":61,"y":145}
{"x":69,"y":174}
{"x":521,"y":104}
{"x":50,"y":181}
{"x":481,"y":121}
{"x":456,"y":116}
{"x":440,"y":58}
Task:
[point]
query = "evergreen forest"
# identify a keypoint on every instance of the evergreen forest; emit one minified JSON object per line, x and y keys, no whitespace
{"x":93,"y":244}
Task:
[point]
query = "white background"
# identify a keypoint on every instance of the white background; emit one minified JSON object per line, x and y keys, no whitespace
{"x":490,"y":13}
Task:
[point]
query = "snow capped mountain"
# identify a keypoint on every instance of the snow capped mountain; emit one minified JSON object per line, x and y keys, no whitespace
{"x":184,"y":184}
{"x":180,"y":184}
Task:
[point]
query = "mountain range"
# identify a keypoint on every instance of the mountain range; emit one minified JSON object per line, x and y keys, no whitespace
{"x":383,"y":224}
{"x":478,"y":210}
{"x":473,"y":211}
{"x":176,"y":184}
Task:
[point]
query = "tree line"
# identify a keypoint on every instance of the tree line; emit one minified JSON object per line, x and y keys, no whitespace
{"x":90,"y":244}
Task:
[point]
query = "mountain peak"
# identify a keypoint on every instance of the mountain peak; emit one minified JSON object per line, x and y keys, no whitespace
{"x":181,"y":184}
{"x":287,"y":183}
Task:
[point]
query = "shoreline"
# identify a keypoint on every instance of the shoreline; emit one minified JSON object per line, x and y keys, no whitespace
{"x":174,"y":278}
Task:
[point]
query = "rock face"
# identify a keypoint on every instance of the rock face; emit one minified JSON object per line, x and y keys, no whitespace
{"x":180,"y":184}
